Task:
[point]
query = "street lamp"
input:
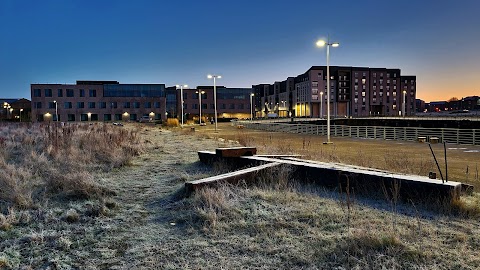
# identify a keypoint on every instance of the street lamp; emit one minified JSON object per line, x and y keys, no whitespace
{"x":321,"y":104}
{"x":56,"y":110}
{"x":251,"y":106}
{"x":21,"y":110}
{"x":321,"y":43}
{"x":200,"y":107}
{"x":403,"y":104}
{"x":181,"y":96}
{"x":214,"y":77}
{"x":6,"y":106}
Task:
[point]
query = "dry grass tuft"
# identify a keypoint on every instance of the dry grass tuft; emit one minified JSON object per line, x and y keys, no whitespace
{"x":172,"y":122}
{"x":45,"y":160}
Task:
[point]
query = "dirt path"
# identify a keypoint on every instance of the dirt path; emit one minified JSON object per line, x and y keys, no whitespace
{"x":142,"y":221}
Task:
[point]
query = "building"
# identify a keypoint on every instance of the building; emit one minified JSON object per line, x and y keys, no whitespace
{"x":232,"y":103}
{"x":112,"y":101}
{"x":15,"y":109}
{"x":97,"y":101}
{"x":354,"y":92}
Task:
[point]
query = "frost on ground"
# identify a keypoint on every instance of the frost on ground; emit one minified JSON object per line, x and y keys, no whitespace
{"x":147,"y":223}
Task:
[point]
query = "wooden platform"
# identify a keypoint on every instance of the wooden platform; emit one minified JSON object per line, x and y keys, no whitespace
{"x":333,"y":175}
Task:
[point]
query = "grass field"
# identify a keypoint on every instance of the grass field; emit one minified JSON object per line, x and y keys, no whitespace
{"x":134,"y":214}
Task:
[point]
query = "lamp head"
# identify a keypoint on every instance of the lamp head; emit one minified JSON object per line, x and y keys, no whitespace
{"x":209,"y":76}
{"x":335,"y":44}
{"x":321,"y":43}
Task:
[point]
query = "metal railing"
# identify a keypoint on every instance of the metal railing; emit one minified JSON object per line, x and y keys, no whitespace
{"x":448,"y":135}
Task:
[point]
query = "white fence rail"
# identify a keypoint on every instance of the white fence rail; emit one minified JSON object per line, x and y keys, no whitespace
{"x":448,"y":135}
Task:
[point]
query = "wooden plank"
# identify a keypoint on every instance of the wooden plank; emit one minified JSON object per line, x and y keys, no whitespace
{"x":231,"y":177}
{"x":236,"y":151}
{"x":333,"y":174}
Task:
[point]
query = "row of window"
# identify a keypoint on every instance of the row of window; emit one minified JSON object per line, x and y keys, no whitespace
{"x":95,"y":117}
{"x":231,"y":106}
{"x":101,"y":105}
{"x":60,"y":92}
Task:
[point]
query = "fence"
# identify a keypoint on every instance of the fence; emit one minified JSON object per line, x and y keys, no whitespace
{"x":448,"y":135}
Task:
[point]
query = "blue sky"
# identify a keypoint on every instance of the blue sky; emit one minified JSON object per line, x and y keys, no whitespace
{"x":247,"y":42}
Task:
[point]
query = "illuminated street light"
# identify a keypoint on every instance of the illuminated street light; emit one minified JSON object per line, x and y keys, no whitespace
{"x":327,"y":43}
{"x":214,"y":77}
{"x":21,"y":110}
{"x":403,"y":104}
{"x":56,"y":110}
{"x":321,"y":104}
{"x":251,"y":106}
{"x":200,"y":107}
{"x":181,"y":96}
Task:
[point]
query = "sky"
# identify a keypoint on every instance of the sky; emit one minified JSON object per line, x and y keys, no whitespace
{"x":247,"y":42}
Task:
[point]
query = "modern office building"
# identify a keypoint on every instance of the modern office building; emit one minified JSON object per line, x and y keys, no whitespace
{"x":97,"y":101}
{"x":354,"y":92}
{"x":112,"y":101}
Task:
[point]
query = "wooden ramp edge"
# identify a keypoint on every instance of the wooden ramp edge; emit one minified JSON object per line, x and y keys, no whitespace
{"x":231,"y":177}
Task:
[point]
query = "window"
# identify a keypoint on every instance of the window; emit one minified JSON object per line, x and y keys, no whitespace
{"x":113,"y":105}
{"x":80,"y":105}
{"x":356,"y":74}
{"x":133,"y":117}
{"x":194,"y":106}
{"x":102,"y":105}
{"x":48,"y":92}
{"x":82,"y":92}
{"x":212,"y":106}
{"x":107,"y":117}
{"x":126,"y":105}
{"x":204,"y":106}
{"x":59,"y":92}
{"x":232,"y":106}
{"x":364,"y":81}
{"x":117,"y":117}
{"x":83,"y":117}
{"x":70,"y":117}
{"x":240,"y":106}
{"x":38,"y":105}
{"x":394,"y":107}
{"x":136,"y":104}
{"x":91,"y":105}
{"x":363,"y":94}
{"x":51,"y":105}
{"x":223,"y":106}
{"x":69,"y":92}
{"x":68,"y":105}
{"x":147,"y":105}
{"x":364,"y":74}
{"x":356,"y":80}
{"x":156,"y":104}
{"x":37,"y":92}
{"x":92,"y":93}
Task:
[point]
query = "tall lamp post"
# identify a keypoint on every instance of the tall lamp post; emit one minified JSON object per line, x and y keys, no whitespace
{"x":21,"y":110}
{"x":321,"y":104}
{"x":251,"y":106}
{"x":403,"y":104}
{"x":200,"y":106}
{"x":214,"y":77}
{"x":56,"y":110}
{"x":181,"y":96}
{"x":321,"y":43}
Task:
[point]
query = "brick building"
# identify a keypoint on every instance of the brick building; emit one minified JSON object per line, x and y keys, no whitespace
{"x":112,"y":101}
{"x":354,"y":92}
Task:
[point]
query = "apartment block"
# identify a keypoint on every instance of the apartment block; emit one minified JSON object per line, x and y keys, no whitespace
{"x":354,"y":92}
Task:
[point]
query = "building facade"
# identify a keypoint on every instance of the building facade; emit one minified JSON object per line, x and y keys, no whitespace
{"x":354,"y":92}
{"x":97,"y":101}
{"x":112,"y":101}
